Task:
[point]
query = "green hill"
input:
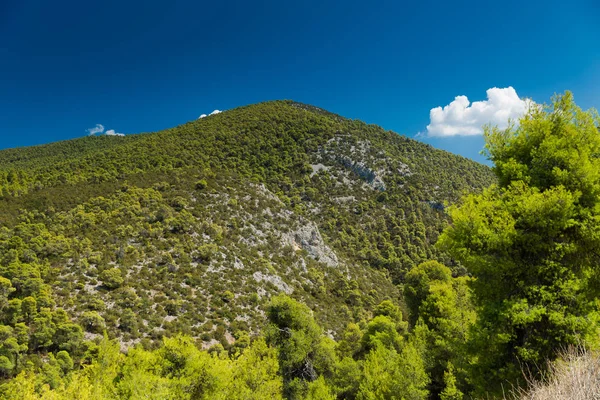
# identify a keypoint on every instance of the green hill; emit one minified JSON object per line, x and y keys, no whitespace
{"x":192,"y":229}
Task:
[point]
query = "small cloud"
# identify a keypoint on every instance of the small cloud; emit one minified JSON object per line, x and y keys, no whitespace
{"x":461,"y":117}
{"x":99,"y":128}
{"x":212,"y":113}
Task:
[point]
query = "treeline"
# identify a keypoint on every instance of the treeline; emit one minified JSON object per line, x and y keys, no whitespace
{"x":271,"y":142}
{"x":294,"y":359}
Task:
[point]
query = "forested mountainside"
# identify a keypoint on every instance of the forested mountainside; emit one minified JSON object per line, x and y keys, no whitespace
{"x":192,"y":230}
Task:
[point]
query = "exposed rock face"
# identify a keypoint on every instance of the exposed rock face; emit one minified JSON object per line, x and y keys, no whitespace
{"x":238,"y":264}
{"x":345,"y":199}
{"x":404,"y":170}
{"x":307,"y":237}
{"x":318,"y":167}
{"x":355,"y":158}
{"x":275,"y":280}
{"x":365,"y":173}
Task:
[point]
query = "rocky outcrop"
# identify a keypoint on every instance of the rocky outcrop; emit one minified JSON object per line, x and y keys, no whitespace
{"x":365,"y":173}
{"x":275,"y":280}
{"x":307,"y":237}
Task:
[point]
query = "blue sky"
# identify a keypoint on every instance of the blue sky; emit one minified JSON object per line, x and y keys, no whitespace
{"x":66,"y":66}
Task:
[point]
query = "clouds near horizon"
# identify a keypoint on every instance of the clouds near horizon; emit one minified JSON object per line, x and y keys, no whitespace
{"x":111,"y":132}
{"x":99,"y":129}
{"x":463,"y":118}
{"x":212,"y":113}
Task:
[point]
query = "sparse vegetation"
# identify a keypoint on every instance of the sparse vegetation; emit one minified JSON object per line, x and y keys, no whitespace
{"x":574,"y":375}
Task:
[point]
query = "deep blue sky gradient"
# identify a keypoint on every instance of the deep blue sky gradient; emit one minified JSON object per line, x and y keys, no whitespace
{"x":143,"y":66}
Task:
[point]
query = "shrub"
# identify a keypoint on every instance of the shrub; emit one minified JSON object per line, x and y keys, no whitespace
{"x":93,"y":322}
{"x":112,"y":278}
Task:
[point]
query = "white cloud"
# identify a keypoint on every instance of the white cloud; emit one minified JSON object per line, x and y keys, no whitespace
{"x":461,"y":117}
{"x":212,"y":113}
{"x":99,"y":128}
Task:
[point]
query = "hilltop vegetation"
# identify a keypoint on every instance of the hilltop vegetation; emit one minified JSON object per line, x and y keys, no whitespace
{"x":281,"y":251}
{"x":153,"y":234}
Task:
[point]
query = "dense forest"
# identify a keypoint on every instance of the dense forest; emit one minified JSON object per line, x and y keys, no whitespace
{"x":281,"y":251}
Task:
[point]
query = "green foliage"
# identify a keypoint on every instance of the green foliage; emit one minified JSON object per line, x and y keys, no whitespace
{"x":381,"y":331}
{"x":532,"y":241}
{"x":256,"y":374}
{"x":389,"y":374}
{"x":388,"y":309}
{"x":201,"y":184}
{"x":350,"y":343}
{"x":177,"y":370}
{"x":318,"y":390}
{"x":6,"y":366}
{"x":5,"y":290}
{"x":93,"y":322}
{"x":112,"y":278}
{"x":418,"y":284}
{"x":304,"y":353}
{"x":443,"y":315}
{"x":228,"y":296}
{"x":64,"y":361}
{"x":302,"y":363}
{"x":191,"y":230}
{"x":450,"y":392}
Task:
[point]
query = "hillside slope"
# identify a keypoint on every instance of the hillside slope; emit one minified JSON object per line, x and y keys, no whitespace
{"x":192,"y":229}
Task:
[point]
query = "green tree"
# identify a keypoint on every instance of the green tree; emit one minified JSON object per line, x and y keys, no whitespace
{"x":128,"y":321}
{"x":65,"y":361}
{"x":5,"y":290}
{"x":350,"y":343}
{"x":69,"y":336}
{"x":104,"y":369}
{"x":389,"y":374}
{"x":303,"y":351}
{"x":450,"y":392}
{"x":347,"y":378}
{"x":201,"y":184}
{"x":112,"y":278}
{"x":93,"y":322}
{"x":6,"y":366}
{"x":318,"y":390}
{"x":255,"y":375}
{"x":29,"y":308}
{"x":443,"y":305}
{"x":533,"y":241}
{"x":388,"y":309}
{"x":42,"y":330}
{"x":13,"y":314}
{"x":418,"y":285}
{"x":381,"y":330}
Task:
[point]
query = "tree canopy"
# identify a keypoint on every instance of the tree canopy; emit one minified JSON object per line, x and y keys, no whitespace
{"x":532,"y":241}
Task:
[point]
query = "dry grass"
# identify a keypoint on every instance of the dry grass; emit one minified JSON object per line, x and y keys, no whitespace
{"x":575,"y":376}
